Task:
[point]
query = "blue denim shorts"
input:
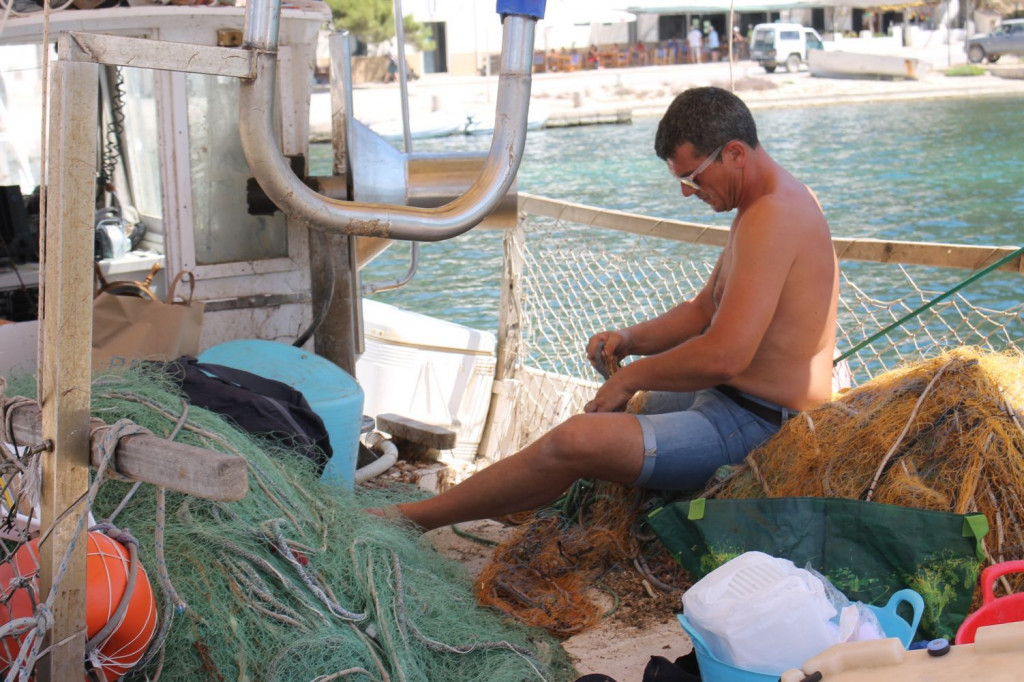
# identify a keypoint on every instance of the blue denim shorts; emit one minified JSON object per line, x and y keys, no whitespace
{"x":687,"y":436}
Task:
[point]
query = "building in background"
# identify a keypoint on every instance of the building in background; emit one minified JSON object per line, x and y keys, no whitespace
{"x":467,"y":33}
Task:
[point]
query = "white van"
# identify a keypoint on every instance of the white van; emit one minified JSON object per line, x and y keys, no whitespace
{"x":775,"y":44}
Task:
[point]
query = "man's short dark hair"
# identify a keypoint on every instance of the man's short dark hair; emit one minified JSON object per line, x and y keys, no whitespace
{"x":706,"y":118}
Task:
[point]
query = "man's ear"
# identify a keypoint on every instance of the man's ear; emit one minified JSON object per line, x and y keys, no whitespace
{"x":736,"y":152}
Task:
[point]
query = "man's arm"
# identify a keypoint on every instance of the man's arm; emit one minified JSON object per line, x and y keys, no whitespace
{"x":678,"y":324}
{"x":658,"y":334}
{"x":762,"y":251}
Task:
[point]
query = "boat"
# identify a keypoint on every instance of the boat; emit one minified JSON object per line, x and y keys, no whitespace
{"x":843,"y":64}
{"x":193,"y":118}
{"x":483,"y":124}
{"x":434,"y":124}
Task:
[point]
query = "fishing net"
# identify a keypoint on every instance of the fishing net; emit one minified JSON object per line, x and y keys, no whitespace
{"x":940,"y":434}
{"x":943,"y":433}
{"x":295,"y":581}
{"x":543,"y":574}
{"x":571,"y":276}
{"x":580,"y":560}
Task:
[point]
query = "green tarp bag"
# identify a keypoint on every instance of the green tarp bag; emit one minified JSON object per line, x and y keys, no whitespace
{"x":866,"y":549}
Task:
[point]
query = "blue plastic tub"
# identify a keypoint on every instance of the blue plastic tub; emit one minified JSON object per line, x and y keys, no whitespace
{"x":712,"y":669}
{"x":330,"y":391}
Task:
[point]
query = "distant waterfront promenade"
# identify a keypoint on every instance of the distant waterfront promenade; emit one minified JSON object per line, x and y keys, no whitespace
{"x":647,"y":90}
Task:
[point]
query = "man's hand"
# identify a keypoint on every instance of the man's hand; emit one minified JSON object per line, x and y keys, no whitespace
{"x":606,"y":350}
{"x":612,"y":396}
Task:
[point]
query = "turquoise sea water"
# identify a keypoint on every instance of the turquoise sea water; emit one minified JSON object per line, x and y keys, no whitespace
{"x":941,"y":170}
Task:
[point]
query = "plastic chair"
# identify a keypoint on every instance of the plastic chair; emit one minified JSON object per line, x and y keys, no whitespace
{"x":992,"y":611}
{"x":540,"y":62}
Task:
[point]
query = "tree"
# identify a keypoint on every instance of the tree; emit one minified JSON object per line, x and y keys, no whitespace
{"x":373,"y":22}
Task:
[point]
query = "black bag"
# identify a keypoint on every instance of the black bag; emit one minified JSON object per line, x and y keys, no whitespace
{"x":255,"y":404}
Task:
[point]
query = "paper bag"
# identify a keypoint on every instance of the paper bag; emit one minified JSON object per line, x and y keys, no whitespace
{"x":129,"y":329}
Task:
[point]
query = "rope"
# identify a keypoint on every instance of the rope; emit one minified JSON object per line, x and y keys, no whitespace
{"x":870,"y":492}
{"x":109,"y":437}
{"x":475,"y":538}
{"x":920,"y":309}
{"x":441,"y":646}
{"x":282,"y":546}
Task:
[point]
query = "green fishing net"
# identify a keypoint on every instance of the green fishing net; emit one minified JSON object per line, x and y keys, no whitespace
{"x":296,"y":581}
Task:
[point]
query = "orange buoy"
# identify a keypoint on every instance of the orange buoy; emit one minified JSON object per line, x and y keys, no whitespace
{"x":16,"y":602}
{"x":107,"y":566}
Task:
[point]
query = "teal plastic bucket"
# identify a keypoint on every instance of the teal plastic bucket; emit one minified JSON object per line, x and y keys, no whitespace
{"x":330,"y":391}
{"x":713,"y":669}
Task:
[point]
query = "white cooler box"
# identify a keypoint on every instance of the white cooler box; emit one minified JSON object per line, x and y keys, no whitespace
{"x":420,"y":367}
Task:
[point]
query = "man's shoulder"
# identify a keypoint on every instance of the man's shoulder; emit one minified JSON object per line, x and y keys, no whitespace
{"x":791,"y":208}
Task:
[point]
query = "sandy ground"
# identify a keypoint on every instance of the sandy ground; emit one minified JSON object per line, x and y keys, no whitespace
{"x":619,"y":647}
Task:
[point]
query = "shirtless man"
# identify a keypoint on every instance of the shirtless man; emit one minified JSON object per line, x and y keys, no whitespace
{"x":724,"y":369}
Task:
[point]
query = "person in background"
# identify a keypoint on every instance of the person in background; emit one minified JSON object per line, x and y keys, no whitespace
{"x":723,"y":370}
{"x":593,"y":58}
{"x":392,"y":74}
{"x":714,"y":44}
{"x":695,"y":42}
{"x":739,"y":44}
{"x":675,"y":49}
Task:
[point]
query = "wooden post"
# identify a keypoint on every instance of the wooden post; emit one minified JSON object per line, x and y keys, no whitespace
{"x":494,"y":440}
{"x":335,"y":338}
{"x":64,"y":357}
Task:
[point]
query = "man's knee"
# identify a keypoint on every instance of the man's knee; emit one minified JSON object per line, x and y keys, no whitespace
{"x":568,"y":444}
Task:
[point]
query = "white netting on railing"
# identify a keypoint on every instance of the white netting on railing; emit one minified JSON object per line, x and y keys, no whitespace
{"x":577,"y":280}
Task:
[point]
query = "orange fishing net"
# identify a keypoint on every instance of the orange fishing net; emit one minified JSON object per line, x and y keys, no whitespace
{"x":544,"y":574}
{"x":541,"y":575}
{"x":943,"y":434}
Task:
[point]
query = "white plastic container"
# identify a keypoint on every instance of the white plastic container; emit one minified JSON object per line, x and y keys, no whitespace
{"x":423,"y":368}
{"x":761,"y":613}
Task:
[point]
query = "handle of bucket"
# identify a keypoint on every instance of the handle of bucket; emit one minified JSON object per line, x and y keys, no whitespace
{"x":993,"y":573}
{"x":695,"y":638}
{"x":916,"y":604}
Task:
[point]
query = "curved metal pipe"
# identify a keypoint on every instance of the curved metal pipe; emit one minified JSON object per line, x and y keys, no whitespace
{"x":297,"y":200}
{"x":262,"y":24}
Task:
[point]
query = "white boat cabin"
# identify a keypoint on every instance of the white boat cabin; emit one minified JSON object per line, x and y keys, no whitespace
{"x":172,"y":179}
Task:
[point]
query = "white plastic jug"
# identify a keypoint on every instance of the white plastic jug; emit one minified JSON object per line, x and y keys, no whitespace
{"x":761,"y":613}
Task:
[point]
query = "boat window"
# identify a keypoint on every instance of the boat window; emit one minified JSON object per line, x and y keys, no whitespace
{"x":140,"y":141}
{"x":21,"y":88}
{"x":224,"y":232}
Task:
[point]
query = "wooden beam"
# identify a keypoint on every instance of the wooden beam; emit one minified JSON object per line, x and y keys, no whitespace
{"x":64,"y":360}
{"x":934,"y":254}
{"x":633,"y":223}
{"x":416,"y":440}
{"x":927,"y":253}
{"x":204,"y":473}
{"x":156,"y":54}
